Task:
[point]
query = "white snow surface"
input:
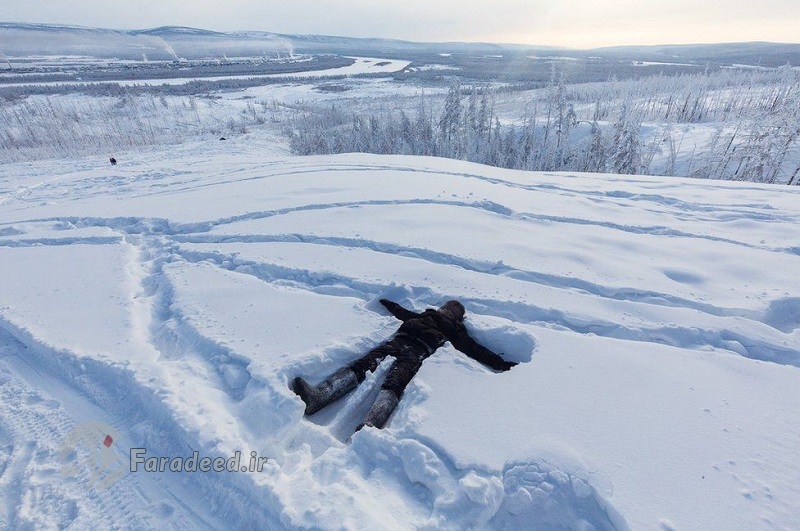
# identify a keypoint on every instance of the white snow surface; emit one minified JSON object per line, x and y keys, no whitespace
{"x":173,"y":297}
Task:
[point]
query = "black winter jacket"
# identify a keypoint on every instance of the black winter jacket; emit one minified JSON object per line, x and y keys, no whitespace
{"x":433,"y":329}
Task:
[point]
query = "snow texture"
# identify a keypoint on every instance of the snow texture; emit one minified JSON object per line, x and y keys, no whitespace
{"x":174,"y":296}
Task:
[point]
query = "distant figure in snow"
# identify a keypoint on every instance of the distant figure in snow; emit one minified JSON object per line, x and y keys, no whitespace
{"x":417,"y":338}
{"x":113,"y":161}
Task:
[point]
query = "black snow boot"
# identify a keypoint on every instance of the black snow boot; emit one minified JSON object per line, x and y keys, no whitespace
{"x":333,"y":388}
{"x":381,"y":409}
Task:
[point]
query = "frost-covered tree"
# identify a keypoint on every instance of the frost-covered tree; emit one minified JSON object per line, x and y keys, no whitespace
{"x":626,"y":154}
{"x":423,"y":131}
{"x":756,"y":114}
{"x":450,"y":123}
{"x":596,"y":159}
{"x":407,"y":137}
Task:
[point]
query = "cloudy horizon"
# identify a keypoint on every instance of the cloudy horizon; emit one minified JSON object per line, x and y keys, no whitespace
{"x":567,"y":23}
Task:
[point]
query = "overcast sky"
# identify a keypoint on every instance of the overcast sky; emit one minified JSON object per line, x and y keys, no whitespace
{"x":572,"y":23}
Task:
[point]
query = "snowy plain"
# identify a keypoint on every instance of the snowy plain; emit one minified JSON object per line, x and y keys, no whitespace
{"x":171,"y":298}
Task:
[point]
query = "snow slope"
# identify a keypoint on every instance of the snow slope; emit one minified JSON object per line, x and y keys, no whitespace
{"x":171,"y":298}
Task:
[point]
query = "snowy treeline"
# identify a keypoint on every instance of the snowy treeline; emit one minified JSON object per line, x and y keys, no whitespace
{"x":64,"y":126}
{"x":736,"y":124}
{"x":730,"y":125}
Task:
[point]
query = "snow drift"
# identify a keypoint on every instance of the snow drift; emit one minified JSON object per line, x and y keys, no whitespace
{"x":655,"y":322}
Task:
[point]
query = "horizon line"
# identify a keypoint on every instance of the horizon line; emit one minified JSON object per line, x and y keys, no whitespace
{"x":476,"y":42}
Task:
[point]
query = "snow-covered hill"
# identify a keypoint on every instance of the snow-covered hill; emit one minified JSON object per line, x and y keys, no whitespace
{"x":161,"y":44}
{"x":167,"y":301}
{"x":177,"y":42}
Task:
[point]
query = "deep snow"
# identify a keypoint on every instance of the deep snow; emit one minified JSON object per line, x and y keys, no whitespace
{"x":172,"y":297}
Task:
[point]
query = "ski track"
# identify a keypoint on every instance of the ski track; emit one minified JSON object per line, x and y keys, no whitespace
{"x":676,"y":336}
{"x":163,"y":226}
{"x":97,"y":390}
{"x":752,"y":210}
{"x":686,"y":337}
{"x":522,"y":495}
{"x":31,"y":430}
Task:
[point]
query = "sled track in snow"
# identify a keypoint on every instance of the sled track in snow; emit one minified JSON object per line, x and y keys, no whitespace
{"x":39,"y":490}
{"x":97,"y":391}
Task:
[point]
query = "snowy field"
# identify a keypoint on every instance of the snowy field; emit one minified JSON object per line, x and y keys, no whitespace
{"x":167,"y":302}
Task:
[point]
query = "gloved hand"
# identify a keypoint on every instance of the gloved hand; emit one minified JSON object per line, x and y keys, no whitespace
{"x":506,"y":365}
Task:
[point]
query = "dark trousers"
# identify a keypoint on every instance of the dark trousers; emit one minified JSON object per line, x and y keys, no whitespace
{"x":409,"y":355}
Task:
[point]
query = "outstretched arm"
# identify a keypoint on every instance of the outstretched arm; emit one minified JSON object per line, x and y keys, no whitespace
{"x":462,"y":341}
{"x":398,"y":311}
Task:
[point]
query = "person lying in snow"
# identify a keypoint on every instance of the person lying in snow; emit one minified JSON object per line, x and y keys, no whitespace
{"x":417,"y":338}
